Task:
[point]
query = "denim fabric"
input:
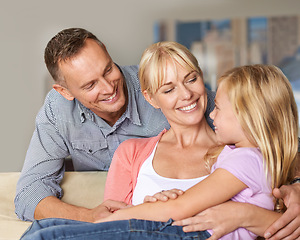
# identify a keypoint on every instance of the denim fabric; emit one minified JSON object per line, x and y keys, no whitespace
{"x":132,"y":229}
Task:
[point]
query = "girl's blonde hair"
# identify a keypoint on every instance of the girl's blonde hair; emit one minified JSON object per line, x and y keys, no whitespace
{"x":152,"y":67}
{"x":263,"y":101}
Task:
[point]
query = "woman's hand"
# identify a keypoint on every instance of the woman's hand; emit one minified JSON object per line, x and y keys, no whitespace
{"x":164,"y":195}
{"x":218,"y":218}
{"x":288,"y":225}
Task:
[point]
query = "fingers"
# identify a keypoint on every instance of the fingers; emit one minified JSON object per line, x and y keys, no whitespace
{"x":150,"y":199}
{"x":184,"y":222}
{"x":281,"y":235}
{"x":192,"y":224}
{"x":114,"y":205}
{"x":164,"y":195}
{"x":172,"y":194}
{"x":286,"y":226}
{"x":277,"y":193}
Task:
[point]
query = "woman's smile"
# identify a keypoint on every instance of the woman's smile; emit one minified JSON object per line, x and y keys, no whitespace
{"x":189,"y":107}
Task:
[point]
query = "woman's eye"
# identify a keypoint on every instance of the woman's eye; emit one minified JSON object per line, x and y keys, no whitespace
{"x":169,"y":90}
{"x":192,"y":80}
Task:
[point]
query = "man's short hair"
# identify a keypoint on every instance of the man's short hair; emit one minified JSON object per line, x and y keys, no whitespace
{"x":63,"y":46}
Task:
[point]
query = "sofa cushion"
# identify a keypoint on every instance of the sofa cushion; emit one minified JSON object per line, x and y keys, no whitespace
{"x":80,"y":188}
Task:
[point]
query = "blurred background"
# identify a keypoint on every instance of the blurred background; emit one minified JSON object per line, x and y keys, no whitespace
{"x":221,"y":33}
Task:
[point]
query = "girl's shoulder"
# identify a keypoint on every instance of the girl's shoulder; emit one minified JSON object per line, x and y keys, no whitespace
{"x":239,"y":156}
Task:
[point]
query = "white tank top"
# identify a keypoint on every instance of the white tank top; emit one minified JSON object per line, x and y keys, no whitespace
{"x":149,"y":182}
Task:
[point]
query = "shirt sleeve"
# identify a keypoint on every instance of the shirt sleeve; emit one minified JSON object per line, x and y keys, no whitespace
{"x":246,"y":164}
{"x":119,"y":185}
{"x":43,"y":168}
{"x":210,"y":106}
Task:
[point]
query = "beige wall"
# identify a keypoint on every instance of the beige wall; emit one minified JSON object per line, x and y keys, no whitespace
{"x":124,"y":25}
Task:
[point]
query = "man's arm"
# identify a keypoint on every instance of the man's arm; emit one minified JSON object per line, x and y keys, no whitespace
{"x":43,"y":168}
{"x":51,"y":207}
{"x":289,"y":223}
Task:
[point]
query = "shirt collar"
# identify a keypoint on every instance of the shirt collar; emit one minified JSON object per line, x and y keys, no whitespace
{"x":85,"y":113}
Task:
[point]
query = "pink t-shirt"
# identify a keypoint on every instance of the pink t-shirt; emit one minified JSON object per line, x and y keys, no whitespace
{"x":246,"y":164}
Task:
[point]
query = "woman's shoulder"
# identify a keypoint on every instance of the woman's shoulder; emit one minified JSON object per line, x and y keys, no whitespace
{"x":139,"y":146}
{"x":142,"y":142}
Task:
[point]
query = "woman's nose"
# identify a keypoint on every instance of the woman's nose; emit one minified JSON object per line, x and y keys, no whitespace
{"x":185,"y":93}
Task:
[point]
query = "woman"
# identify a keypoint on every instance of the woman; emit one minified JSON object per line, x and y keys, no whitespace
{"x":171,"y":80}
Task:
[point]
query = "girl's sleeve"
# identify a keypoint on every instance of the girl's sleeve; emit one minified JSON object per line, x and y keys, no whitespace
{"x":119,"y":185}
{"x":247,"y":166}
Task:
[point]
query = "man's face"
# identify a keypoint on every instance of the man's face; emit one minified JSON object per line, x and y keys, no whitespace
{"x":93,"y":79}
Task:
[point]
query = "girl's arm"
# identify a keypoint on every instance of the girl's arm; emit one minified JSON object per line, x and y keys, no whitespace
{"x":219,"y":187}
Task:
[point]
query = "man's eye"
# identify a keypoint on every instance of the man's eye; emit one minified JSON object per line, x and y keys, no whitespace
{"x":90,"y":86}
{"x":108,"y":70}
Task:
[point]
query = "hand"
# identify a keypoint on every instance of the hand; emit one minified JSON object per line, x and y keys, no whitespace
{"x":106,"y":208}
{"x":218,"y":218}
{"x":288,"y":225}
{"x":164,"y":195}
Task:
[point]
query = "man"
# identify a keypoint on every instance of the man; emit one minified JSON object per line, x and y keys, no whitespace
{"x":95,"y":105}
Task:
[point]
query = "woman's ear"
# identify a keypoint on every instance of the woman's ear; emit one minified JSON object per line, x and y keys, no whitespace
{"x":63,"y":91}
{"x":150,"y":99}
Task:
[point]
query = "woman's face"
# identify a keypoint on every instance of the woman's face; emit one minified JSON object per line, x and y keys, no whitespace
{"x":182,"y":96}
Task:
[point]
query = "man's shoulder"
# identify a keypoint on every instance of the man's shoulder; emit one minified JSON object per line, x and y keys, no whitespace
{"x":131,"y":69}
{"x":54,"y":97}
{"x":131,"y":76}
{"x":56,"y":106}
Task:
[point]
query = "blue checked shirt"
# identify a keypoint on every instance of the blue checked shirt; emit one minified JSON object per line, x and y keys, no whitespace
{"x":67,"y":128}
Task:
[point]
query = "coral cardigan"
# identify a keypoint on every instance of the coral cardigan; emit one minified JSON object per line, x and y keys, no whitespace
{"x":125,"y":166}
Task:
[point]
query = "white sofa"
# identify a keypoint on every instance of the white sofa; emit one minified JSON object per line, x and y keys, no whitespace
{"x":80,"y":188}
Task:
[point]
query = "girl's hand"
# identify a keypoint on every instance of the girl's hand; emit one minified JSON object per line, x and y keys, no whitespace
{"x":164,"y":195}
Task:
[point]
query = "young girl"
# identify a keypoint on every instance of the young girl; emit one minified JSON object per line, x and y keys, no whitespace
{"x":256,"y":117}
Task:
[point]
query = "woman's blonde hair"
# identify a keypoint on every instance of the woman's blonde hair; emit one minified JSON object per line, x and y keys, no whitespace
{"x":152,"y":67}
{"x":263,"y":101}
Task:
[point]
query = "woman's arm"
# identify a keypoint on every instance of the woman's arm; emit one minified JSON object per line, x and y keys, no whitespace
{"x":219,"y":187}
{"x":118,"y":184}
{"x":227,"y":217}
